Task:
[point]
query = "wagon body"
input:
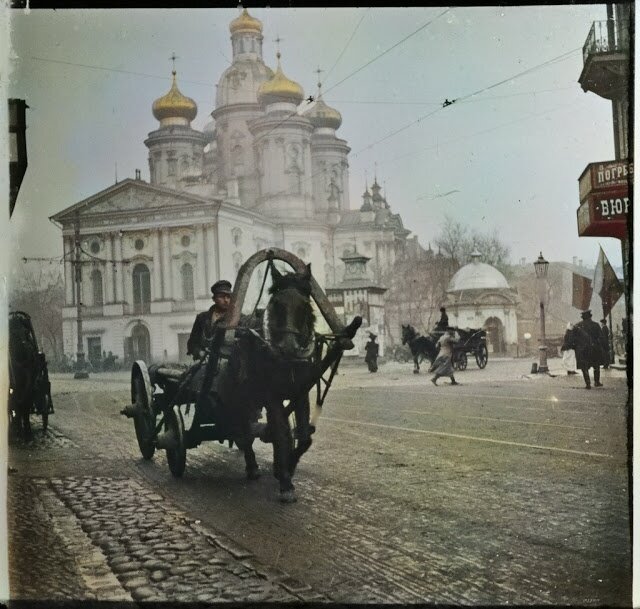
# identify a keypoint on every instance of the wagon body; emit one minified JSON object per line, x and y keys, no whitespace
{"x":470,"y":342}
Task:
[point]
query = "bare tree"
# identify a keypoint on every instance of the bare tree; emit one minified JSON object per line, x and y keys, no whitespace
{"x":40,"y":293}
{"x":452,"y":239}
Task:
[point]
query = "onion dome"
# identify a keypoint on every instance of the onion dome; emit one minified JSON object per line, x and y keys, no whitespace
{"x":174,"y":104}
{"x":477,"y":276}
{"x":322,"y":115}
{"x":245,"y":23}
{"x":280,"y":88}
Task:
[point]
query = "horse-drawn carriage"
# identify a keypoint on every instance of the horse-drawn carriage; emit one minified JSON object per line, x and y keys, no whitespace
{"x":426,"y":347}
{"x":29,"y":386}
{"x":243,"y":369}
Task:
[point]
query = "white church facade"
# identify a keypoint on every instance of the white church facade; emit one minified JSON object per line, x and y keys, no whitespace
{"x":268,"y":170}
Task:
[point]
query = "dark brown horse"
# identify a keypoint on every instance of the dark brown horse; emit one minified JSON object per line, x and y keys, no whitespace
{"x":422,"y":347}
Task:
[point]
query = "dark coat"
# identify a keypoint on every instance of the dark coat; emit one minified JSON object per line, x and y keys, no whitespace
{"x":443,"y":322}
{"x":371,"y":350}
{"x":589,"y":352}
{"x":202,"y":331}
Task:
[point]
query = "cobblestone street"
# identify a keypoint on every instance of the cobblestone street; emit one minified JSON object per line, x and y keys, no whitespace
{"x":511,"y":488}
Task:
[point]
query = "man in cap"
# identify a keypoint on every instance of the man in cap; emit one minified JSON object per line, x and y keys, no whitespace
{"x":605,"y":344}
{"x":371,"y":350}
{"x":589,"y":350}
{"x":443,"y":322}
{"x":206,"y":322}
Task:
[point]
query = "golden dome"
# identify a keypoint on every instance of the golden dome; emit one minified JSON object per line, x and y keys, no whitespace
{"x":280,"y":88}
{"x":322,"y":115}
{"x":245,"y":22}
{"x":174,"y":104}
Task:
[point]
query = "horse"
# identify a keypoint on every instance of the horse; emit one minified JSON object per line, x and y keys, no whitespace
{"x":421,"y":346}
{"x":23,"y":361}
{"x":269,"y":368}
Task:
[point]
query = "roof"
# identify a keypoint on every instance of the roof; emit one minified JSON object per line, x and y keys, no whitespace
{"x":477,"y":276}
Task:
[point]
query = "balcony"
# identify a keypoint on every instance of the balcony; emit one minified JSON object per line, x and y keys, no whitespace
{"x":605,"y":57}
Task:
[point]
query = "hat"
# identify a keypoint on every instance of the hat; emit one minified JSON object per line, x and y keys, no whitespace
{"x":442,"y":309}
{"x":372,"y":335}
{"x":586,"y":313}
{"x":221,"y":287}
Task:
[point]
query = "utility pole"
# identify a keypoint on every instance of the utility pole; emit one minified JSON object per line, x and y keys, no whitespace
{"x":81,"y":368}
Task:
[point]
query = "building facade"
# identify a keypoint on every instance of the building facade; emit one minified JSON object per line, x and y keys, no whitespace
{"x":268,"y":170}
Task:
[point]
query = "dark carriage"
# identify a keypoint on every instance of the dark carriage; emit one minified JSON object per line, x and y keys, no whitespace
{"x":241,"y":372}
{"x":29,"y":386}
{"x":471,"y":342}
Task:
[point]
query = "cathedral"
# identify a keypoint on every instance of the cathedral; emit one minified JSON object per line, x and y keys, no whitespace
{"x":268,"y":170}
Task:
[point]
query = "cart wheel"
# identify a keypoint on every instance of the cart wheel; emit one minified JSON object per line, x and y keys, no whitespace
{"x":177,"y":454}
{"x":482,"y":356}
{"x":145,"y":421}
{"x":462,"y":361}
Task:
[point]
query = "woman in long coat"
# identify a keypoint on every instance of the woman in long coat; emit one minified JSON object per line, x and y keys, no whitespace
{"x":443,"y":365}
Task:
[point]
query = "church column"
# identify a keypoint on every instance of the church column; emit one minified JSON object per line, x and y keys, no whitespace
{"x":211,"y":254}
{"x":157,"y":266}
{"x":119,"y":278}
{"x":201,"y":290}
{"x":68,"y":271}
{"x":167,"y":274}
{"x":109,"y":269}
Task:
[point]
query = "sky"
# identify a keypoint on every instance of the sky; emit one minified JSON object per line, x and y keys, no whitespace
{"x":507,"y":158}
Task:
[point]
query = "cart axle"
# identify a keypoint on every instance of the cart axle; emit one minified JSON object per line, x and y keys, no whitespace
{"x":130,"y":411}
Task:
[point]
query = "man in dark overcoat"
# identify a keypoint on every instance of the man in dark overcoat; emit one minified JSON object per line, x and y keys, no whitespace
{"x":206,"y":322}
{"x":589,"y":349}
{"x":443,"y":322}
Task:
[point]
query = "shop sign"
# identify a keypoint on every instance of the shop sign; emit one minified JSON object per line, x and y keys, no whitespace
{"x":604,"y":214}
{"x":603,"y":176}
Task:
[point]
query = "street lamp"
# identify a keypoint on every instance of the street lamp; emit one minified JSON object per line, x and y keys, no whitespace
{"x":542,"y":266}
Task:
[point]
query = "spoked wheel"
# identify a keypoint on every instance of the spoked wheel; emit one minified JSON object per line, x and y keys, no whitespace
{"x":144,"y":420}
{"x":482,"y":356}
{"x":176,"y":451}
{"x":461,"y":361}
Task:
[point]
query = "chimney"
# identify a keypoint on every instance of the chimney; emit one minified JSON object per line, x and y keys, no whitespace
{"x":575,"y":260}
{"x":580,"y":263}
{"x":138,"y":174}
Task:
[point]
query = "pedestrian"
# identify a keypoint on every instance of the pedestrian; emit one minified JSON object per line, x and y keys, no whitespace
{"x":443,"y":364}
{"x":589,"y":348}
{"x":371,"y":349}
{"x":206,"y":322}
{"x":605,"y":344}
{"x":568,"y":352}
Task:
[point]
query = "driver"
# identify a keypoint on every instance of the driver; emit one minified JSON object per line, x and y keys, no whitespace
{"x":206,"y":322}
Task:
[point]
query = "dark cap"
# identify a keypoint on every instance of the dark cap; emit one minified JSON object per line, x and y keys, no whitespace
{"x":221,"y":287}
{"x":372,"y":335}
{"x":586,"y":313}
{"x":442,"y":309}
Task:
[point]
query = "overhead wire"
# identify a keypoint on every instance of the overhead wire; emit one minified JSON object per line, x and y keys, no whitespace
{"x":335,"y":63}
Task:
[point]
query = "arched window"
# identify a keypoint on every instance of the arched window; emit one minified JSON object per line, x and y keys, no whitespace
{"x":141,"y":289}
{"x":96,"y":285}
{"x":187,"y":281}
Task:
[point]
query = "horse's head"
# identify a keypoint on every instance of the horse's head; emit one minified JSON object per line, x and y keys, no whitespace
{"x":290,"y":317}
{"x":408,"y":333}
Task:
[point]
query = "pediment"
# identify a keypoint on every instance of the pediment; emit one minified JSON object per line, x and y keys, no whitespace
{"x":130,"y":196}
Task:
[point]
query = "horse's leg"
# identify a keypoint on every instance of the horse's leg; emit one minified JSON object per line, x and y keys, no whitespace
{"x":245,"y":444}
{"x":281,"y":450}
{"x":416,"y":365}
{"x":303,"y":432}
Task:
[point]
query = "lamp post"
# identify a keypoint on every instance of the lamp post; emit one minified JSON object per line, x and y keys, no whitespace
{"x":81,"y":367}
{"x":542,"y":266}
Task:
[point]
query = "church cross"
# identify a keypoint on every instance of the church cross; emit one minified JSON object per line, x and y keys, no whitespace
{"x":278,"y":40}
{"x":173,"y":59}
{"x":318,"y":72}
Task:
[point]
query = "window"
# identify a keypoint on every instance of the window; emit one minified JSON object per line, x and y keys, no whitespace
{"x":141,"y":289}
{"x":171,"y":166}
{"x":186,"y":240}
{"x":139,"y":244}
{"x":95,"y":247}
{"x":96,"y":286}
{"x":187,"y":281}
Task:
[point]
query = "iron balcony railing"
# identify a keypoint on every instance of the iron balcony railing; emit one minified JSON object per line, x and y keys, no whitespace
{"x":606,"y":37}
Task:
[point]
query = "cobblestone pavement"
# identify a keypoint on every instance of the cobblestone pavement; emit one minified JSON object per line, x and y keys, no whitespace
{"x":498,"y":491}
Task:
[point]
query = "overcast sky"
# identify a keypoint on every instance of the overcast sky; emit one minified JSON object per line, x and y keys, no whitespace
{"x":510,"y":156}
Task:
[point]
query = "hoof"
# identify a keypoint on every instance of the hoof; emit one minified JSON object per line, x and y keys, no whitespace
{"x":288,"y":496}
{"x":416,"y":371}
{"x":253,"y":474}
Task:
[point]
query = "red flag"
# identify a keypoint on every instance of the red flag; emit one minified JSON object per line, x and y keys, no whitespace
{"x":581,"y":292}
{"x":611,"y":289}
